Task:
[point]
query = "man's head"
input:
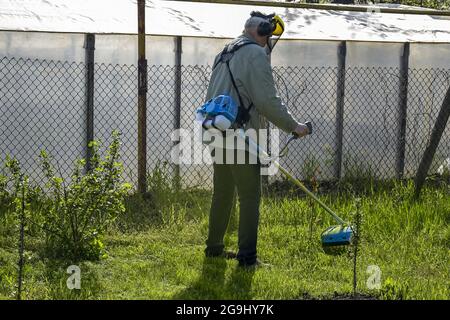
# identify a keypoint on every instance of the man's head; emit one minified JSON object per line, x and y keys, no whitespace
{"x":251,"y":27}
{"x":261,"y":27}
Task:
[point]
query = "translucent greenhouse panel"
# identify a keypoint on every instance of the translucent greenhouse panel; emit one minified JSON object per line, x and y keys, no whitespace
{"x":429,"y":55}
{"x":373,"y":54}
{"x":371,"y":109}
{"x":40,"y":45}
{"x":160,"y":117}
{"x":123,"y":49}
{"x":426,"y":91}
{"x":305,"y":74}
{"x":195,"y":79}
{"x":197,"y":58}
{"x":310,"y":95}
{"x":116,"y":97}
{"x":115,"y":108}
{"x":201,"y":51}
{"x":42,"y":107}
{"x":116,"y":49}
{"x":42,"y":99}
{"x":160,"y":103}
{"x":429,"y":80}
{"x":305,"y":53}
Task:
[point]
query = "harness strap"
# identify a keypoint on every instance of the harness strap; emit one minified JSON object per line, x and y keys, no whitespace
{"x":243,"y":113}
{"x":225,"y":56}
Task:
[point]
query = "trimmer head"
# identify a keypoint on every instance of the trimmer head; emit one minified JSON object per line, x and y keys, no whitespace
{"x":336,"y":238}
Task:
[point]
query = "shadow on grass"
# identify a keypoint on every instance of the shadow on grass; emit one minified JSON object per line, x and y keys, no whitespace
{"x":212,"y":284}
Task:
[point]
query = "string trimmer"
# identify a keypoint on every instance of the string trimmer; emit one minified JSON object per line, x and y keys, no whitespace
{"x":333,"y":238}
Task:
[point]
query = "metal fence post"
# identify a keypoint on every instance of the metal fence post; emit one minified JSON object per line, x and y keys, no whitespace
{"x":402,"y":109}
{"x":177,"y":106}
{"x":89,"y":48}
{"x":340,"y":100}
{"x":142,"y":100}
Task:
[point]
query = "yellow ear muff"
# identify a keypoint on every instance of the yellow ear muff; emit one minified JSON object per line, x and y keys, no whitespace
{"x":279,"y":26}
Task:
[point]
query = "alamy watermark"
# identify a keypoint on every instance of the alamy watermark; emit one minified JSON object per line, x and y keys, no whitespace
{"x":374,"y":280}
{"x":74,"y":280}
{"x":200,"y":146}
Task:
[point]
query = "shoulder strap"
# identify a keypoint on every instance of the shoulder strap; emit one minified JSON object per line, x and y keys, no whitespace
{"x":243,"y":113}
{"x":229,"y":50}
{"x":234,"y":84}
{"x":225,"y":56}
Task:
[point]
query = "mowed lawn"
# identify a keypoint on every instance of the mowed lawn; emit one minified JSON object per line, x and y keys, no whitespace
{"x":155,"y":251}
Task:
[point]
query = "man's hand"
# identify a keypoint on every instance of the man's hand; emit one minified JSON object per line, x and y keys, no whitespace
{"x":301,"y":130}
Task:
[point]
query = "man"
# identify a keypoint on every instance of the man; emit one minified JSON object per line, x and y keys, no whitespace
{"x":254,"y":87}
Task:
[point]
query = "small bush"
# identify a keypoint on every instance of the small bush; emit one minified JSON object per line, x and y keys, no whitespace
{"x":10,"y":186}
{"x":4,"y":194}
{"x":5,"y":198}
{"x":77,"y":216}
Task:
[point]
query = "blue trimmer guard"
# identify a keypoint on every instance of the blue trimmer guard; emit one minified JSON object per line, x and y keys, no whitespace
{"x":337,"y":236}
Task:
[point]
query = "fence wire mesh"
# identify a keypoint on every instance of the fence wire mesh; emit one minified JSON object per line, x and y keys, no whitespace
{"x":43,"y":106}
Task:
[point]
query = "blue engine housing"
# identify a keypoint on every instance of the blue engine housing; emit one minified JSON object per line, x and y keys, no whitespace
{"x":223,"y":105}
{"x":337,"y":236}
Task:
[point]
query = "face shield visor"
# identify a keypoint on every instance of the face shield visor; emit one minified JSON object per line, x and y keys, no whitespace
{"x":278,"y":29}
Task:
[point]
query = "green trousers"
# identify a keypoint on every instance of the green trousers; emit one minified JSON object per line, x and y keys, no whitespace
{"x":246,"y":178}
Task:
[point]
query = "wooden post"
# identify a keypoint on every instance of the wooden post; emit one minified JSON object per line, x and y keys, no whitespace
{"x":436,"y":135}
{"x":177,"y":105}
{"x":89,"y":48}
{"x":402,"y":111}
{"x":142,"y":100}
{"x":340,"y":100}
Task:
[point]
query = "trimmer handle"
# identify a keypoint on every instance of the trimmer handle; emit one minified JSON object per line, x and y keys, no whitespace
{"x":310,"y":129}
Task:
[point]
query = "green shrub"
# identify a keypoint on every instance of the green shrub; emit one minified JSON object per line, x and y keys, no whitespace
{"x":78,"y":215}
{"x":10,"y":185}
{"x":5,"y":196}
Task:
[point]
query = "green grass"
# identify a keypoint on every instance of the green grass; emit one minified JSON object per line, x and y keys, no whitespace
{"x":155,"y":251}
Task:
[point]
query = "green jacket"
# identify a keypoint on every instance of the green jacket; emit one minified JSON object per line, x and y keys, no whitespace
{"x":250,"y":66}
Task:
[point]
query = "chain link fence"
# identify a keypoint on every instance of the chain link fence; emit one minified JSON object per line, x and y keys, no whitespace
{"x":43,"y":106}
